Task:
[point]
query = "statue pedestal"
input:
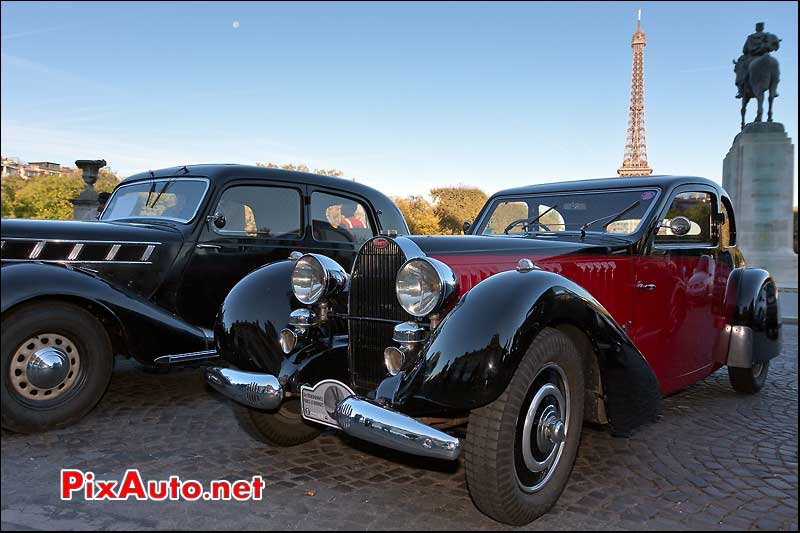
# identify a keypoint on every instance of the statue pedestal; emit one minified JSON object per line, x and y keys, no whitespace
{"x":758,"y":173}
{"x":84,"y":206}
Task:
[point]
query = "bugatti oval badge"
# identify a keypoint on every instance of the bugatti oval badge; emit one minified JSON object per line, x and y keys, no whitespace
{"x":380,"y":243}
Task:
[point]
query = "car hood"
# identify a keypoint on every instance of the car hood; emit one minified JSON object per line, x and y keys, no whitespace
{"x":87,"y":230}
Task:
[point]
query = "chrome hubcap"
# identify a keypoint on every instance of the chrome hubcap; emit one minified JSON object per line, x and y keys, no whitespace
{"x":544,"y":429}
{"x":44,"y":367}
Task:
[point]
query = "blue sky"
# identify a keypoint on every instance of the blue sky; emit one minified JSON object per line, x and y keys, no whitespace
{"x":403,"y":97}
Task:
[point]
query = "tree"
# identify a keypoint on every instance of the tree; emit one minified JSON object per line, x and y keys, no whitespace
{"x":419,"y":215}
{"x":454,"y":205}
{"x":48,"y":195}
{"x":304,"y":168}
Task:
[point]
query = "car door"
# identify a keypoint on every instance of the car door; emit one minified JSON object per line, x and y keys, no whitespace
{"x":676,"y":324}
{"x":340,"y":224}
{"x":254,"y":224}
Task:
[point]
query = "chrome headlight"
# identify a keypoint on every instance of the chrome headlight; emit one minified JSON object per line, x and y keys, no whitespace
{"x":423,"y":284}
{"x":316,"y":276}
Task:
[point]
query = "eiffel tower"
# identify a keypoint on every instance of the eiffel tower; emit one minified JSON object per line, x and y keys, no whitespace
{"x":635,"y":161}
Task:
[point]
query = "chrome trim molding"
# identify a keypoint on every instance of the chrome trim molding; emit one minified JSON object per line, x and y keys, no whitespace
{"x":261,"y":391}
{"x":185,"y":357}
{"x":740,"y":349}
{"x":75,"y":252}
{"x":37,"y":250}
{"x":84,"y":241}
{"x":148,"y":252}
{"x":112,"y":253}
{"x":366,"y":420}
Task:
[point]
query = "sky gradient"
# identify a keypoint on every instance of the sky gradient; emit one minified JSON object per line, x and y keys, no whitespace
{"x":402,"y":97}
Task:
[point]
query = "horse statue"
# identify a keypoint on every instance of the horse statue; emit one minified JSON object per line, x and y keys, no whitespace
{"x":757,"y":72}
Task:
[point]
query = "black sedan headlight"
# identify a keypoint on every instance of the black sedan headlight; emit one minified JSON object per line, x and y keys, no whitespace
{"x":315,"y":277}
{"x":423,"y":284}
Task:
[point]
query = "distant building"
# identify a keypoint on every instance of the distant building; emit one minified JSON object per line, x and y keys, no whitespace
{"x":14,"y":167}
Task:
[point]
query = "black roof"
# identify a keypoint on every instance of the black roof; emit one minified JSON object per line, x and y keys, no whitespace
{"x":219,"y":174}
{"x":663,"y":182}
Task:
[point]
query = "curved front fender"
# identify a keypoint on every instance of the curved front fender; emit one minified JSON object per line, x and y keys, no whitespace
{"x":753,"y":306}
{"x":148,"y":330}
{"x":473,"y":354}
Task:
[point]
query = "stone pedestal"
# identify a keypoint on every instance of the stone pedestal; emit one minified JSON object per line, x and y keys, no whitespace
{"x":86,"y":203}
{"x":758,"y":173}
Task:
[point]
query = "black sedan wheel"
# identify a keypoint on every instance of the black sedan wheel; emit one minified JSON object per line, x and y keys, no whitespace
{"x":282,"y":427}
{"x":748,"y":380}
{"x":520,"y":448}
{"x":56,"y":365}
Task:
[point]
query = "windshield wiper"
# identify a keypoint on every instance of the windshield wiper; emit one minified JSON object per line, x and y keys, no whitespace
{"x":163,"y":189}
{"x":529,"y":221}
{"x":152,"y":188}
{"x":615,"y":216}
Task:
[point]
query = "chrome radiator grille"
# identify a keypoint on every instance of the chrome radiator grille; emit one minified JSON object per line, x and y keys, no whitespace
{"x":374,"y":311}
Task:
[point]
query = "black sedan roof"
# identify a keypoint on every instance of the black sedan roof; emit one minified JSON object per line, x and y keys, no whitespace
{"x":219,"y":174}
{"x":663,"y":182}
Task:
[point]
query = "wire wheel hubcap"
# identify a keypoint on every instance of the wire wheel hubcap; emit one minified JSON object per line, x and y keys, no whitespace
{"x":44,"y":367}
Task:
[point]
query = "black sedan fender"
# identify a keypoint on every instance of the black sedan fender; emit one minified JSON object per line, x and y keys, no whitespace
{"x":473,"y":354}
{"x":137,"y":327}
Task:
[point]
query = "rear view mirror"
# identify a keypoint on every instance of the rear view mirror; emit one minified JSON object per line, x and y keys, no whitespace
{"x":467,"y":225}
{"x":218,"y":219}
{"x":680,"y":226}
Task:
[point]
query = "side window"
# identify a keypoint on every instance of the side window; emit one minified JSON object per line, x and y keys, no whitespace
{"x":504,"y":214}
{"x":259,"y":211}
{"x":339,"y":219}
{"x":727,"y":230}
{"x":698,"y":207}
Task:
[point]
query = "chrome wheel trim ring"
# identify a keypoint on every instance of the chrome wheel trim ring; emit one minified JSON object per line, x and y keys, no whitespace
{"x":757,"y":369}
{"x":33,"y":348}
{"x":537,"y":423}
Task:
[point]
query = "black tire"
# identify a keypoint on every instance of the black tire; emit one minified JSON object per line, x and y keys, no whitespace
{"x":82,"y":331}
{"x":495,"y":466}
{"x":748,"y":380}
{"x":283,"y":427}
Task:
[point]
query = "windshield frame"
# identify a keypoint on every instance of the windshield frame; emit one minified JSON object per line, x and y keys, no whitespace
{"x":200,"y":202}
{"x":492,"y":205}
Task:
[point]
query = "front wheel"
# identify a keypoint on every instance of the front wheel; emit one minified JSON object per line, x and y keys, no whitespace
{"x":748,"y":380}
{"x":283,"y":427}
{"x":520,"y":449}
{"x":56,"y":365}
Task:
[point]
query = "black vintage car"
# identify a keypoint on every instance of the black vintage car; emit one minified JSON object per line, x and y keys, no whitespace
{"x":147,"y":278}
{"x":566,"y":302}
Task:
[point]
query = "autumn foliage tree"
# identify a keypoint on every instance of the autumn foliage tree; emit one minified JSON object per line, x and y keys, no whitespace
{"x":454,"y":205}
{"x":48,"y":195}
{"x":419,"y":215}
{"x":336,"y":173}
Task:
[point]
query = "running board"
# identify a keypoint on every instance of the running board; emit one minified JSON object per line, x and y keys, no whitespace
{"x":186,"y":357}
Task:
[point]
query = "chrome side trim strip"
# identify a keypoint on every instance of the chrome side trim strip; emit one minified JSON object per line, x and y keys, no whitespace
{"x":185,"y":357}
{"x":75,"y":252}
{"x":37,"y":250}
{"x":112,"y":253}
{"x":85,"y":241}
{"x":78,"y":262}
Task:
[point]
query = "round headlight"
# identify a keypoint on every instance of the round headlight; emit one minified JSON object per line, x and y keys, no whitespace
{"x":315,"y":276}
{"x":423,"y":284}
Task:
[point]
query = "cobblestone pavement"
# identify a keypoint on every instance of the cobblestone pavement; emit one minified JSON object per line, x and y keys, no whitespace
{"x":717,"y":460}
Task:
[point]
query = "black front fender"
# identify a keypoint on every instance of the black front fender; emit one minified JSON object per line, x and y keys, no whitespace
{"x":755,"y":321}
{"x":147,"y":330}
{"x":473,"y":354}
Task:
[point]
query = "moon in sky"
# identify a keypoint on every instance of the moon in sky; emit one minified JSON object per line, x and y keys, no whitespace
{"x":235,"y":24}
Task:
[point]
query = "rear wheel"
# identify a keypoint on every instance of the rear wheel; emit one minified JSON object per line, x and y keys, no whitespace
{"x":748,"y":380}
{"x":56,"y":365}
{"x":284,"y":427}
{"x":520,"y":449}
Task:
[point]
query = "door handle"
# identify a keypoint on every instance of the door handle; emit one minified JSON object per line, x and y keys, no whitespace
{"x":646,"y":286}
{"x":208,"y":246}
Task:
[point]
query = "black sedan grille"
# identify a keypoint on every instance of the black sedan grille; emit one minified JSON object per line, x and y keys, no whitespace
{"x":374,"y":311}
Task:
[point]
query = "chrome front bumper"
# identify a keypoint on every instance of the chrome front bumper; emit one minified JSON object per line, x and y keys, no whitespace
{"x":262,"y":391}
{"x":358,"y":417}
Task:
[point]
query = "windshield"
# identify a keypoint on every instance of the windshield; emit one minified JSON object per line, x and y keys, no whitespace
{"x":170,"y":198}
{"x":616,"y":212}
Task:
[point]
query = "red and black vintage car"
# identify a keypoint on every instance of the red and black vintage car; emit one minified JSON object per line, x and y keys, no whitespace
{"x":566,"y":302}
{"x":147,"y":278}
